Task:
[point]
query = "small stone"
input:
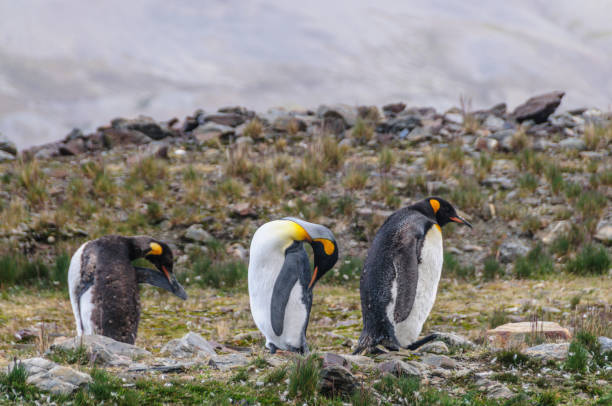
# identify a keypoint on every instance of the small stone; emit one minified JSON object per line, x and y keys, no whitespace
{"x":190,"y":345}
{"x":454,"y":340}
{"x":435,"y":347}
{"x":335,"y":381}
{"x":512,"y":332}
{"x":494,"y":390}
{"x":502,"y":181}
{"x":399,"y":368}
{"x":494,"y":123}
{"x":549,"y":351}
{"x":7,"y":146}
{"x":603,"y":231}
{"x":573,"y":143}
{"x":196,"y":233}
{"x":394,"y":107}
{"x":439,"y":361}
{"x":227,"y":362}
{"x":511,"y":249}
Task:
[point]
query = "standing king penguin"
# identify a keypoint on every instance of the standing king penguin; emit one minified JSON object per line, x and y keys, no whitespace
{"x":281,"y":280}
{"x":103,"y":283}
{"x":400,"y":277}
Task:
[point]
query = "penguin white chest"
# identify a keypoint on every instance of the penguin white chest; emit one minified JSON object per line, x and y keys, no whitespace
{"x":429,"y":271}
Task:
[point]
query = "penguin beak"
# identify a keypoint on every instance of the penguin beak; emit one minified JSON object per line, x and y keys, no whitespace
{"x":177,"y":289}
{"x":314,"y":277}
{"x":461,"y":220}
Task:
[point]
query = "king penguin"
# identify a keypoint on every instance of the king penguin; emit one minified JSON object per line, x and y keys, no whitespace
{"x":400,"y":277}
{"x":103,"y":283}
{"x":281,"y":280}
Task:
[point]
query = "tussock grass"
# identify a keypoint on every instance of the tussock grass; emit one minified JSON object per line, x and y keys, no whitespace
{"x":536,"y":264}
{"x":304,"y":377}
{"x":592,"y":260}
{"x":363,"y":131}
{"x":386,"y":159}
{"x":467,"y":195}
{"x":597,"y":136}
{"x":254,"y":129}
{"x":216,"y":274}
{"x":453,"y":268}
{"x":356,"y":177}
{"x":306,"y":174}
{"x":237,"y":163}
{"x":32,"y":178}
{"x":492,"y":269}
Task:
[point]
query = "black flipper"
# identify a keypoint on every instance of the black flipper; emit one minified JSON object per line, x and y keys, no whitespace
{"x":285,"y":281}
{"x":156,"y":278}
{"x":406,"y":264}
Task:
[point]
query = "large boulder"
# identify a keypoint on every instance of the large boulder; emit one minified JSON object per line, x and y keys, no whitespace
{"x":513,"y":333}
{"x":336,"y":381}
{"x":548,"y":351}
{"x":538,"y":108}
{"x":145,"y":125}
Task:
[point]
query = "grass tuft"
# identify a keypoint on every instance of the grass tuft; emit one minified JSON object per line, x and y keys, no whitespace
{"x":592,"y":260}
{"x":536,"y":264}
{"x":304,"y":377}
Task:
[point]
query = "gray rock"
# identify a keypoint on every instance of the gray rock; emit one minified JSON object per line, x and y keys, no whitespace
{"x":502,"y":181}
{"x":164,"y":366}
{"x":331,"y":359}
{"x":48,"y":376}
{"x":144,"y":125}
{"x":573,"y":143}
{"x":538,"y":108}
{"x":348,"y":114}
{"x":7,"y":146}
{"x":439,"y":361}
{"x":604,"y":230}
{"x":229,"y":361}
{"x":227,"y":119}
{"x":548,"y":351}
{"x":503,"y":134}
{"x":196,"y":232}
{"x":435,"y":347}
{"x":494,"y":390}
{"x":336,"y":381}
{"x":511,"y":249}
{"x":555,"y":230}
{"x":399,"y":368}
{"x":454,"y":340}
{"x":103,"y":349}
{"x":493,"y":123}
{"x":606,"y":344}
{"x":190,"y":345}
{"x":5,"y":156}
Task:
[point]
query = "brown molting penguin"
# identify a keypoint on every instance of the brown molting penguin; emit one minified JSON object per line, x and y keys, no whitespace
{"x":103,"y":283}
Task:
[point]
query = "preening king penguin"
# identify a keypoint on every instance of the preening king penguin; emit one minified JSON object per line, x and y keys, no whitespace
{"x":103,"y":283}
{"x":281,"y":280}
{"x":400,"y":277}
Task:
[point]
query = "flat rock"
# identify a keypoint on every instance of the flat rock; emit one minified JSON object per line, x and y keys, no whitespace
{"x":439,"y":361}
{"x":548,"y":351}
{"x":360,"y":360}
{"x":573,"y":143}
{"x":335,"y":381}
{"x":511,"y":249}
{"x":105,"y":350}
{"x":399,"y":368}
{"x":163,"y":366}
{"x":227,"y":362}
{"x":513,"y":332}
{"x":51,"y":377}
{"x":190,"y":345}
{"x":331,"y":359}
{"x":435,"y":347}
{"x":144,"y":125}
{"x":538,"y":108}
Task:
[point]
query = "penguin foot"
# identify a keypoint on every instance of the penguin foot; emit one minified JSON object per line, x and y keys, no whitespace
{"x":272,"y":348}
{"x":422,"y":341}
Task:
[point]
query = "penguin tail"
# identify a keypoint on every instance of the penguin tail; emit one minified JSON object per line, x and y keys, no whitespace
{"x":422,"y":341}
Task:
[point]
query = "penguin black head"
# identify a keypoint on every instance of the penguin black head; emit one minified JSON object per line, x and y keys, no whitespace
{"x":323,"y":243}
{"x":159,"y":254}
{"x":440,"y":210}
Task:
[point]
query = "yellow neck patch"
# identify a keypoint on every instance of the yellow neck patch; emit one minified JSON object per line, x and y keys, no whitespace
{"x":298,"y":232}
{"x":435,"y":205}
{"x":328,"y":246}
{"x":156,"y":249}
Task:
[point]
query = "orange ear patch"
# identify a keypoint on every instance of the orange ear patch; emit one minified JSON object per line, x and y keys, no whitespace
{"x":435,"y":205}
{"x":156,"y":249}
{"x":328,"y":246}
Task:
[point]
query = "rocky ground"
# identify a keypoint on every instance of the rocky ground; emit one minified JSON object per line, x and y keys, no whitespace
{"x":536,"y":185}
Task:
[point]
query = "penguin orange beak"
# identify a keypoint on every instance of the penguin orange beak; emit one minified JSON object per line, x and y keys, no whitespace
{"x":314,"y":277}
{"x":461,"y":220}
{"x":166,"y":273}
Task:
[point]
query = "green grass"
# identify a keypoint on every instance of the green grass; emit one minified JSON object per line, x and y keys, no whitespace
{"x":304,"y":377}
{"x":453,"y":268}
{"x":347,"y":270}
{"x":74,"y":356}
{"x":528,"y":182}
{"x":578,"y":358}
{"x":17,"y":269}
{"x":592,"y":260}
{"x":206,"y":273}
{"x":510,"y":358}
{"x":536,"y":264}
{"x":363,"y":131}
{"x":497,"y":318}
{"x":492,"y":269}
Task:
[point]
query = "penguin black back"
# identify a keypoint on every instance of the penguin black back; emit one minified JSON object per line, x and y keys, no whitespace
{"x":390,"y":277}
